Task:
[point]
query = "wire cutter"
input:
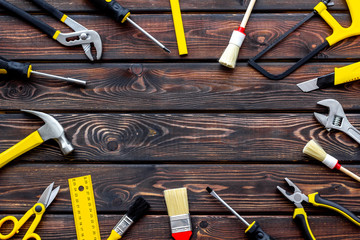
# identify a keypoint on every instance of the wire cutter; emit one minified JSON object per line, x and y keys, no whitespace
{"x":38,"y":209}
{"x":82,"y":35}
{"x":300,"y":215}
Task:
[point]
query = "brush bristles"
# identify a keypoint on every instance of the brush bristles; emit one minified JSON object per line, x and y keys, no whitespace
{"x":230,"y":55}
{"x":176,"y":201}
{"x":313,"y":149}
{"x":138,"y":209}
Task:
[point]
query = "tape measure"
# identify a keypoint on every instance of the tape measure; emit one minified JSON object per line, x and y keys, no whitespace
{"x":84,"y":208}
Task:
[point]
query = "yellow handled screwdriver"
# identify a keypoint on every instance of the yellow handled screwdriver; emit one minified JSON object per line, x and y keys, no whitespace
{"x":121,"y":14}
{"x":24,"y":70}
{"x":342,"y":75}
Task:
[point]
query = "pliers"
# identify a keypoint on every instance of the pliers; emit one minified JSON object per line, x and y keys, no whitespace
{"x":82,"y":35}
{"x":337,"y":119}
{"x":300,"y":215}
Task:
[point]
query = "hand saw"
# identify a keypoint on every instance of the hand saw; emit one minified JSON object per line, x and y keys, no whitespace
{"x":339,"y":33}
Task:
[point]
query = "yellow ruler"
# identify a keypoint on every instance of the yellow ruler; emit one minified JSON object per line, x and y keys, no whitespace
{"x":179,"y":27}
{"x":84,"y":208}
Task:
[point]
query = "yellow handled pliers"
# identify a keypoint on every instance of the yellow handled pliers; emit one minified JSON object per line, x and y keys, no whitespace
{"x":300,"y":215}
{"x":38,"y":209}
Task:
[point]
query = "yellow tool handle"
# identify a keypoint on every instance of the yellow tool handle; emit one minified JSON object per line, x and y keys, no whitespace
{"x":114,"y":236}
{"x":30,"y":142}
{"x":340,"y":33}
{"x":179,"y":27}
{"x":318,"y":201}
{"x":300,"y":217}
{"x":347,"y":74}
{"x":38,"y":209}
{"x":15,"y":229}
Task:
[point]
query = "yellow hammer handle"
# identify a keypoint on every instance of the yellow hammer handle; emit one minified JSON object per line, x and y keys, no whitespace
{"x":347,"y":74}
{"x":179,"y":27}
{"x":30,"y":142}
{"x":114,"y":236}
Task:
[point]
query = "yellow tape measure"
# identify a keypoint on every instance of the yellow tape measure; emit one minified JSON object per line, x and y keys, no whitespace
{"x":84,"y":208}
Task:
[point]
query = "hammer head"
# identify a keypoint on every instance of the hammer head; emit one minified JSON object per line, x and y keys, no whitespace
{"x":53,"y":130}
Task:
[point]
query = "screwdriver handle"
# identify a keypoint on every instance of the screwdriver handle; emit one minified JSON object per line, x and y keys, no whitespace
{"x":254,"y":232}
{"x":114,"y":9}
{"x":318,"y":201}
{"x":22,"y":70}
{"x":29,"y":18}
{"x":50,"y":9}
{"x":300,"y":217}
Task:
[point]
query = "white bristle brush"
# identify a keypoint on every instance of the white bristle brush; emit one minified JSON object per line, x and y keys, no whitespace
{"x":230,"y":55}
{"x":313,"y":149}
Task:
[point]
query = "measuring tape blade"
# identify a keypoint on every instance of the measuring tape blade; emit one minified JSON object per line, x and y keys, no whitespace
{"x":84,"y":208}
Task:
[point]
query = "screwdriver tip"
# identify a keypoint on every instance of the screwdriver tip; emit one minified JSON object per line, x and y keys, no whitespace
{"x":166,"y":50}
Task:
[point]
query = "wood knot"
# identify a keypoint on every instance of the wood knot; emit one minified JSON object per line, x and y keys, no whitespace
{"x":137,"y":69}
{"x":204,"y":224}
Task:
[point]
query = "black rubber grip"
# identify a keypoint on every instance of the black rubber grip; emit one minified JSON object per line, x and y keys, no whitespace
{"x":113,"y":9}
{"x":326,"y":81}
{"x":50,"y":9}
{"x":340,"y":209}
{"x":15,"y":69}
{"x":301,"y":220}
{"x":27,"y":17}
{"x":256,"y":233}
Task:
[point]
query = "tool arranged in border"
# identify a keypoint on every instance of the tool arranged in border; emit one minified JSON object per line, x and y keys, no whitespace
{"x":313,"y":149}
{"x":337,"y":119}
{"x":50,"y":130}
{"x":46,"y":198}
{"x":230,"y":55}
{"x":82,"y":35}
{"x":137,"y":209}
{"x":84,"y":208}
{"x":121,"y":14}
{"x":341,"y":75}
{"x":300,"y":215}
{"x":178,"y":210}
{"x":24,"y":70}
{"x":179,"y":27}
{"x":253,"y":231}
{"x":339,"y":33}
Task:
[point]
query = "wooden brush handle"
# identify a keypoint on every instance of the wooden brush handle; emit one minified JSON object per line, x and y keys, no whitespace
{"x":350,"y":174}
{"x":247,"y":13}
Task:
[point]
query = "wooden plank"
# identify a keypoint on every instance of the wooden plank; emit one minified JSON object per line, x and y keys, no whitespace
{"x":162,"y":86}
{"x":204,"y":227}
{"x":163,"y":5}
{"x":193,"y":137}
{"x":205,"y":41}
{"x":249,"y":188}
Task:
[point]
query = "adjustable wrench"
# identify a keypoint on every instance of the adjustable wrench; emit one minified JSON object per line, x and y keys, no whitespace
{"x":337,"y":119}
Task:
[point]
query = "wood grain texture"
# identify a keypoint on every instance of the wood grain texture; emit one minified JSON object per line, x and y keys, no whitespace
{"x":173,"y":86}
{"x":250,"y":189}
{"x":204,"y":227}
{"x":182,"y":137}
{"x":204,"y":40}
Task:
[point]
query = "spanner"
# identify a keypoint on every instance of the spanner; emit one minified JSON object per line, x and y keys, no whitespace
{"x":337,"y":119}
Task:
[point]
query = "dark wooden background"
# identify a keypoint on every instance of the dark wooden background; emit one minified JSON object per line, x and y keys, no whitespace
{"x":149,"y":121}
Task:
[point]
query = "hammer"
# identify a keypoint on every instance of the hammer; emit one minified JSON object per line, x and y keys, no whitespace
{"x":51,"y":130}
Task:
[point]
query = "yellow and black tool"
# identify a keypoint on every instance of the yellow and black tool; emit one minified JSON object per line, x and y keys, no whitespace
{"x":339,"y":33}
{"x":300,"y":215}
{"x":179,"y":27}
{"x":342,"y":75}
{"x":84,"y":208}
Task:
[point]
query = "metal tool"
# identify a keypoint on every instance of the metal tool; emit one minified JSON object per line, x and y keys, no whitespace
{"x":51,"y":130}
{"x":82,"y":35}
{"x":24,"y":70}
{"x":337,"y":119}
{"x":339,"y":33}
{"x":46,"y":198}
{"x":339,"y":76}
{"x":121,"y":14}
{"x":300,"y":216}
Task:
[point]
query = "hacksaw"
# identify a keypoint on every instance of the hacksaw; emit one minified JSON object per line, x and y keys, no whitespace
{"x":339,"y":33}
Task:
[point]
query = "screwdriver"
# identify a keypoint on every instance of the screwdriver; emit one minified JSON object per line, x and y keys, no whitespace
{"x":24,"y":70}
{"x":121,"y":14}
{"x":254,"y":231}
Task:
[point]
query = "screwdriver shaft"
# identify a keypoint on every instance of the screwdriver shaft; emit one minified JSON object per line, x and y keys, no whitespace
{"x":71,"y":80}
{"x":148,"y":35}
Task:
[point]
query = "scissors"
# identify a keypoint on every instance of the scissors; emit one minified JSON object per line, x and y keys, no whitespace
{"x":38,"y":209}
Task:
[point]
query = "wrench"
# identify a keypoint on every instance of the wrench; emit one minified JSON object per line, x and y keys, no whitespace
{"x":337,"y":119}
